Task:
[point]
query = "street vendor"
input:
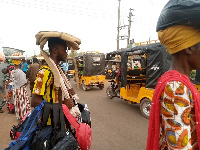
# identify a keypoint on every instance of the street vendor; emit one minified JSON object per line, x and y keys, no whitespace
{"x":174,"y":118}
{"x":43,"y":88}
{"x":54,"y":90}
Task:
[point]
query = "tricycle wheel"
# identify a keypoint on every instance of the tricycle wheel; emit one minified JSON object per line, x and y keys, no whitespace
{"x":101,"y":86}
{"x":109,"y":92}
{"x":145,"y":107}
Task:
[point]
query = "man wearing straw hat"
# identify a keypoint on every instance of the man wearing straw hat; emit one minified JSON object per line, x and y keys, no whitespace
{"x":51,"y":83}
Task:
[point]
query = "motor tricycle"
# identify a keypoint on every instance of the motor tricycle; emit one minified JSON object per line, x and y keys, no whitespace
{"x":140,"y":68}
{"x":91,"y":67}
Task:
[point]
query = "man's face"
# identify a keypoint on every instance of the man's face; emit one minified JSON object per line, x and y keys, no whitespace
{"x":62,"y":52}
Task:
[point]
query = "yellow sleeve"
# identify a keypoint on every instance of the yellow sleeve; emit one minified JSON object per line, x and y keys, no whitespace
{"x":42,"y":81}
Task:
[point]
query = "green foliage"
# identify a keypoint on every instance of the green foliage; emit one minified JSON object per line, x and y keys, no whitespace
{"x":193,"y":74}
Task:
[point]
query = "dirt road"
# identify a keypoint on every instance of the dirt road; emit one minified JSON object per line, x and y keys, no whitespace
{"x":116,"y":124}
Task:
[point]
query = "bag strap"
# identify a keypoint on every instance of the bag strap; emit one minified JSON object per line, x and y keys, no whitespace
{"x":59,"y":123}
{"x":56,"y":117}
{"x":62,"y":120}
{"x":45,"y":116}
{"x":70,"y":118}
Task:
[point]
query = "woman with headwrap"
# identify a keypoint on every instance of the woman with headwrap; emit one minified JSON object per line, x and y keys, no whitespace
{"x":20,"y":94}
{"x":174,"y":121}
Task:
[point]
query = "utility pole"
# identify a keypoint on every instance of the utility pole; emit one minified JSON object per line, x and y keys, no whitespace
{"x":118,"y":25}
{"x":129,"y":27}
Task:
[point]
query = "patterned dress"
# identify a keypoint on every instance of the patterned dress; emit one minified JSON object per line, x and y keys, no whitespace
{"x":178,"y":125}
{"x":20,"y":93}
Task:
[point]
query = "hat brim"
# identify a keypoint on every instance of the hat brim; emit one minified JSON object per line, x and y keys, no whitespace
{"x":71,"y":41}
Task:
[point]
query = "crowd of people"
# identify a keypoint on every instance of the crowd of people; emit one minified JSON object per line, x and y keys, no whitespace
{"x":15,"y":75}
{"x":175,"y":110}
{"x":47,"y":82}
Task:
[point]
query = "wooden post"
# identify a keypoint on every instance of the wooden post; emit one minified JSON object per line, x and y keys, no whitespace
{"x":76,"y":69}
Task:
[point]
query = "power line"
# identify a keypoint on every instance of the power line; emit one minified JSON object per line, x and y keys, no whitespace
{"x":137,"y":20}
{"x":60,"y":9}
{"x":72,"y":12}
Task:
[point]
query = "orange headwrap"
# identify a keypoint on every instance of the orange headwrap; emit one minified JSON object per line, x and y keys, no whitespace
{"x":16,"y":61}
{"x":179,"y":37}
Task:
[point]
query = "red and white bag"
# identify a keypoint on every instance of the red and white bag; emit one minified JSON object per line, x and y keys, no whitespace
{"x":83,"y":130}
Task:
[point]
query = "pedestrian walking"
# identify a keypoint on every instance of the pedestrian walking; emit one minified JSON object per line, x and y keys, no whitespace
{"x":32,"y":73}
{"x":20,"y":94}
{"x":24,"y":66}
{"x":2,"y":85}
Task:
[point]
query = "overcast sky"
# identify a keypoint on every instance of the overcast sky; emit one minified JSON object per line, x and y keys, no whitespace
{"x":93,"y":21}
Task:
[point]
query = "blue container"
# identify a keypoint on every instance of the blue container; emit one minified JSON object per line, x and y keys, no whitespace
{"x":11,"y":87}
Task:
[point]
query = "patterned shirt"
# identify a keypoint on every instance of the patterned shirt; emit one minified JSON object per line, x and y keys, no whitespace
{"x":178,"y":124}
{"x":44,"y":84}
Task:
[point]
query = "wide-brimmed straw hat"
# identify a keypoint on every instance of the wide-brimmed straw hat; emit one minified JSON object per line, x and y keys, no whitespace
{"x":71,"y":41}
